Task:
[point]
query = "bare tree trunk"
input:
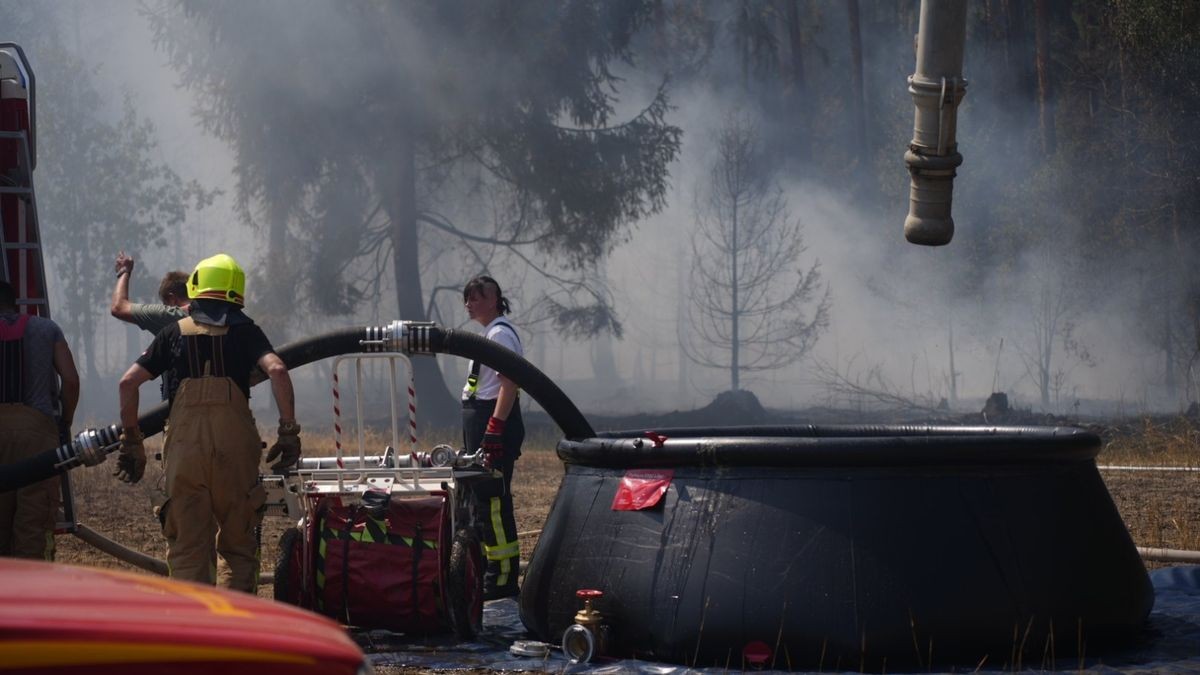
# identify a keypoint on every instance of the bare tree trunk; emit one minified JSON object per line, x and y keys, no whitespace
{"x":1169,"y":367}
{"x":604,"y":356}
{"x":1041,"y":63}
{"x":856,"y":83}
{"x":604,"y":361}
{"x":794,"y":44}
{"x":734,"y":313}
{"x":953,"y":372}
{"x":1003,"y":32}
{"x":681,"y":372}
{"x":436,"y":406}
{"x":277,"y":267}
{"x":1179,"y":263}
{"x":273,"y":311}
{"x":1049,"y":331}
{"x":800,"y":108}
{"x":88,"y":336}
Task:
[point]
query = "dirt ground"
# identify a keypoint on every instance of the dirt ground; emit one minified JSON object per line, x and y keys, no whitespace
{"x":124,"y":513}
{"x":1160,"y":509}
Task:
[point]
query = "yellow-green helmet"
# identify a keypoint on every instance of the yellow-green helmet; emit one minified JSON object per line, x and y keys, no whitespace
{"x":218,"y":278}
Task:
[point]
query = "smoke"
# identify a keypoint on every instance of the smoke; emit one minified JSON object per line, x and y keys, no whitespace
{"x":895,"y":306}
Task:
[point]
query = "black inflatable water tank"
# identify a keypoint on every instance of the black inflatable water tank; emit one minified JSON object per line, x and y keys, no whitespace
{"x":843,"y":547}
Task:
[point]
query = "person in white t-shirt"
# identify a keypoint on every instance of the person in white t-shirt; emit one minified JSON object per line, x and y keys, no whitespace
{"x":492,"y":422}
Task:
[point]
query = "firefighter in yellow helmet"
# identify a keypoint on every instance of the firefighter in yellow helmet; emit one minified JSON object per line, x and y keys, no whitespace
{"x":212,"y":453}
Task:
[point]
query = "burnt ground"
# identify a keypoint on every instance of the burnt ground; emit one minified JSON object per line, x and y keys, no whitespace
{"x":1160,"y":509}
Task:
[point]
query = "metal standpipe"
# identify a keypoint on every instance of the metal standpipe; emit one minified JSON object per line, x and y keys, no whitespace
{"x":937,"y":87}
{"x":410,"y":406}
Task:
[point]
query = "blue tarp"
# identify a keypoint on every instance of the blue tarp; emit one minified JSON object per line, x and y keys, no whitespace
{"x":1169,"y":644}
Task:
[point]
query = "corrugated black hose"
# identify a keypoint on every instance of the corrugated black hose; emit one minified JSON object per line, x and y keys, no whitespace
{"x":418,"y":338}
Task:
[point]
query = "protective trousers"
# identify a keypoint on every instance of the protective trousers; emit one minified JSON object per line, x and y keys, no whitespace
{"x":213,"y":492}
{"x":27,"y":515}
{"x":493,"y":497}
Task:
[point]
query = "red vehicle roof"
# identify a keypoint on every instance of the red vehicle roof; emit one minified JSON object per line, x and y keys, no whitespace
{"x":61,"y":618}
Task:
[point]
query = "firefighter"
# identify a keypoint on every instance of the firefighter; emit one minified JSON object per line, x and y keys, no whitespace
{"x":492,"y":422}
{"x":32,"y":352}
{"x":214,"y":497}
{"x":172,"y":290}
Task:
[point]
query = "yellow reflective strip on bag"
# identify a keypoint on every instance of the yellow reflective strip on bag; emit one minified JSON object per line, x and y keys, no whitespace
{"x":321,"y":548}
{"x":376,"y":530}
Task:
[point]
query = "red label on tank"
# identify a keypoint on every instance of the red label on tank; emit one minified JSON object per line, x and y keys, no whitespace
{"x":642,"y":489}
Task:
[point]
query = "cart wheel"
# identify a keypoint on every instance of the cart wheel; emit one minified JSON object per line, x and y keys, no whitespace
{"x":288,"y":567}
{"x":464,"y":585}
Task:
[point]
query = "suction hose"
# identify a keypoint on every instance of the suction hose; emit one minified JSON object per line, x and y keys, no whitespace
{"x":937,"y":87}
{"x":66,"y":456}
{"x":409,"y":337}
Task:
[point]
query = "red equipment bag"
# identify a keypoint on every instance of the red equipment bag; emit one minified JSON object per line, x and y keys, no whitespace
{"x":382,"y":569}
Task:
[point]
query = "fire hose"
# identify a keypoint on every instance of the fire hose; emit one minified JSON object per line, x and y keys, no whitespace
{"x":407,"y":337}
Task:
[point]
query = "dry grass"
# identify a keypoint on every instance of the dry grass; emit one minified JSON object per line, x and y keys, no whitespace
{"x":1153,"y":441}
{"x":1161,"y":509}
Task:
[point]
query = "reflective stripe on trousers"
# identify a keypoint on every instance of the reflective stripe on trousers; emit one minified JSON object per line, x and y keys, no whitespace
{"x":494,"y":496}
{"x":505,"y":551}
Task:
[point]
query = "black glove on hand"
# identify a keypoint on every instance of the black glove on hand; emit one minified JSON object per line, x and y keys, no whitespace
{"x":286,"y":448}
{"x":131,"y":465}
{"x":493,"y":442}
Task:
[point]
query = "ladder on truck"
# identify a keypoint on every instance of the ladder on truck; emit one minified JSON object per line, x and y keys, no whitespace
{"x":21,"y":264}
{"x":21,"y":260}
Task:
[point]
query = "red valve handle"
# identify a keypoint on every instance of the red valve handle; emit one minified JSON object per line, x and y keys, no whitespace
{"x":589,"y":593}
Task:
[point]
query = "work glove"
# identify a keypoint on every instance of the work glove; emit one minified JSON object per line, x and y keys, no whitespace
{"x":286,"y":448}
{"x":493,"y":442}
{"x":131,"y":464}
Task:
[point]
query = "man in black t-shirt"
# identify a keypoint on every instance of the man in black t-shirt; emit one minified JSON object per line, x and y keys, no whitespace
{"x":212,"y":453}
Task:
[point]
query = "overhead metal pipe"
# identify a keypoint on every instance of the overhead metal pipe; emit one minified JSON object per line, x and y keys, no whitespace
{"x":937,"y":87}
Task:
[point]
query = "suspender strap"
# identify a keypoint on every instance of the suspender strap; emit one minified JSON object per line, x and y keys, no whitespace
{"x":473,"y":378}
{"x":12,"y":360}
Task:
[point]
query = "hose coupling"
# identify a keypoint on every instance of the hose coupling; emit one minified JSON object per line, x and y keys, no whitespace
{"x":89,"y":448}
{"x":409,"y":337}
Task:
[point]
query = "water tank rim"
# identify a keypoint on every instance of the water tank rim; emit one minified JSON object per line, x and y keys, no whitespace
{"x":834,"y":445}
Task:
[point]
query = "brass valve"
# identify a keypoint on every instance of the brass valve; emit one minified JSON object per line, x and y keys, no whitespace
{"x":588,"y":637}
{"x":588,"y":616}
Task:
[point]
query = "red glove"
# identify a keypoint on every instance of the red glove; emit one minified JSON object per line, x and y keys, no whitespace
{"x":493,"y":444}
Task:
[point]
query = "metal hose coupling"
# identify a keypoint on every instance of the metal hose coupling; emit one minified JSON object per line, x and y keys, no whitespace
{"x":89,"y":448}
{"x":409,"y":337}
